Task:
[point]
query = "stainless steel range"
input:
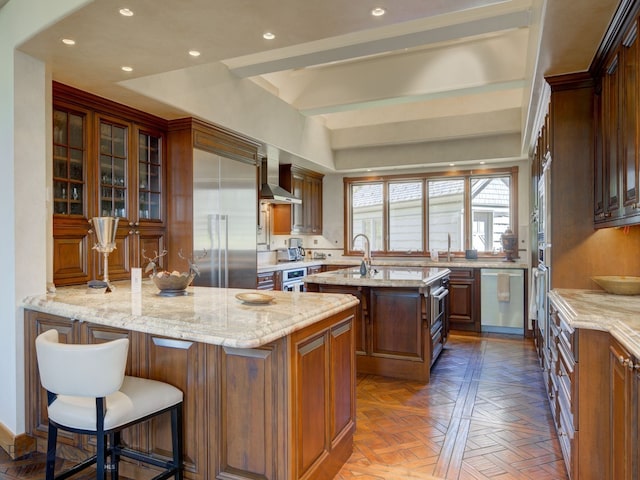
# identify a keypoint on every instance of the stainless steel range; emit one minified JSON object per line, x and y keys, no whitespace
{"x":292,"y":279}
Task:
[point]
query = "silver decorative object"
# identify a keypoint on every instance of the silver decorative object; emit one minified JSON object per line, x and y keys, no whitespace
{"x":509,"y":242}
{"x":105,"y":230}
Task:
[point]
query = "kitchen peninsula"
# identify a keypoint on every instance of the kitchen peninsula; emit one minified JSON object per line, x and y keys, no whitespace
{"x":400,"y":322}
{"x":269,"y":388}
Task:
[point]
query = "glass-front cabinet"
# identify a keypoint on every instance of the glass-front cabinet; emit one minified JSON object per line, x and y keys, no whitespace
{"x":68,"y":163}
{"x":108,"y":160}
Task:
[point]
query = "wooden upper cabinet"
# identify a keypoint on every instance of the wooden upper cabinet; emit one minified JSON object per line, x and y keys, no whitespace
{"x":611,"y":134}
{"x":302,"y":218}
{"x":616,"y":109}
{"x":629,"y":119}
{"x":108,"y":160}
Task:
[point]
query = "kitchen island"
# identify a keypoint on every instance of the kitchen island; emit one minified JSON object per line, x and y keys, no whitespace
{"x":400,"y":322}
{"x":269,"y":388}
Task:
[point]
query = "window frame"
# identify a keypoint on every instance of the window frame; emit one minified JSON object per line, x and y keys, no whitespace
{"x":466,"y":175}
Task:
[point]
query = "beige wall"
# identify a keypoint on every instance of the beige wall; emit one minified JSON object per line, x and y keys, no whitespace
{"x":23,"y":188}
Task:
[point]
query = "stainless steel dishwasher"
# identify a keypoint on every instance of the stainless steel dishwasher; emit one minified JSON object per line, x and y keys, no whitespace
{"x":502,"y":300}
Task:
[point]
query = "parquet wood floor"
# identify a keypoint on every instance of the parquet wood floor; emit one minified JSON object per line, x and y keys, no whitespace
{"x":484,"y":415}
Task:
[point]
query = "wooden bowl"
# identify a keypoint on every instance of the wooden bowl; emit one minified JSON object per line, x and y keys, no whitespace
{"x":619,"y":284}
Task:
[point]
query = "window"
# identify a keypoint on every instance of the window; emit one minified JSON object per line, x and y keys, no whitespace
{"x":367,"y":214}
{"x":416,"y":214}
{"x":405,"y":216}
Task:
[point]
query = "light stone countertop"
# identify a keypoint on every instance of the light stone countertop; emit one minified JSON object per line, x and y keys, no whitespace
{"x":380,"y":276}
{"x":598,"y":310}
{"x":207,"y":315}
{"x":379,"y":262}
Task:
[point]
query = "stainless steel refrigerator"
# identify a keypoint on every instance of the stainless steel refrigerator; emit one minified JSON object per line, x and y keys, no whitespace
{"x":224,"y":221}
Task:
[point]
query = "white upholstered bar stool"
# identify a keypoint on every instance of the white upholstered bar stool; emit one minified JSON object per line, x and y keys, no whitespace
{"x":88,"y":393}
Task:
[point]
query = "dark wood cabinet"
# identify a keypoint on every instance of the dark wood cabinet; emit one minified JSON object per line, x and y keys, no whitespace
{"x":616,"y":117}
{"x":313,"y":269}
{"x":578,"y":390}
{"x":393,"y":330}
{"x":265,"y":281}
{"x":285,"y":410}
{"x":302,"y":218}
{"x":623,"y":427}
{"x":109,"y":160}
{"x":174,"y":361}
{"x":323,"y":382}
{"x":464,"y":299}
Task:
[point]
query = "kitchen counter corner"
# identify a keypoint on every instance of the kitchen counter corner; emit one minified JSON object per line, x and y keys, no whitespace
{"x":208,"y":315}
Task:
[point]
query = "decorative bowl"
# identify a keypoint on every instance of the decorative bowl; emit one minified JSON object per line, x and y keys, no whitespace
{"x":172,"y":284}
{"x":619,"y":284}
{"x":254,"y":298}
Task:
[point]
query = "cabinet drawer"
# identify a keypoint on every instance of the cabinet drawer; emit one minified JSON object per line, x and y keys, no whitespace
{"x":461,"y":273}
{"x":565,"y":405}
{"x":266,"y":281}
{"x":567,"y":338}
{"x":566,"y":437}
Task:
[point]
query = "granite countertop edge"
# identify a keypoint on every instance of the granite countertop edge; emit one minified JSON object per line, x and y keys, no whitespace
{"x":355,"y":261}
{"x":425,"y":276}
{"x":597,"y":310}
{"x":206,"y":315}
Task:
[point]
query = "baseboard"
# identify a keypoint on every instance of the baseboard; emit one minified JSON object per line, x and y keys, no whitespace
{"x":16,"y":446}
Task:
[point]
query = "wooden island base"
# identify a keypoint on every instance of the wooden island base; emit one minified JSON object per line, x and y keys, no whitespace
{"x":285,"y":410}
{"x":400,"y":321}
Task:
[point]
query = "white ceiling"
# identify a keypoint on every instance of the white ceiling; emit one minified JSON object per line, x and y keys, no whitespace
{"x":428,"y":70}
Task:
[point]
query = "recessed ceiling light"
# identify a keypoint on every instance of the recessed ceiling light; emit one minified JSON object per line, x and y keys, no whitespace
{"x":194,"y":53}
{"x":68,"y":41}
{"x":268,"y":36}
{"x":127,"y":69}
{"x":125,"y":12}
{"x":378,"y":12}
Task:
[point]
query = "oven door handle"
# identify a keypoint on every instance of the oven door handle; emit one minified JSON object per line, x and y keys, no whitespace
{"x":440,"y":293}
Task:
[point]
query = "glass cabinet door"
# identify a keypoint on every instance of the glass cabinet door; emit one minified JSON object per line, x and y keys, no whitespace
{"x":149,"y":176}
{"x":68,"y":163}
{"x":114,"y":158}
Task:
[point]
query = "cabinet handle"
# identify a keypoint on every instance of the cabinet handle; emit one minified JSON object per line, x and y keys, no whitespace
{"x":134,"y":232}
{"x":134,"y":224}
{"x":621,"y":359}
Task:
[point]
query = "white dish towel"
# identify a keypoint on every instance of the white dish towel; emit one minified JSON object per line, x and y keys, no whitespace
{"x":504,"y":291}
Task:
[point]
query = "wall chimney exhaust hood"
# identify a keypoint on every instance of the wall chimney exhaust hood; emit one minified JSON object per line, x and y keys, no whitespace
{"x":270,"y":191}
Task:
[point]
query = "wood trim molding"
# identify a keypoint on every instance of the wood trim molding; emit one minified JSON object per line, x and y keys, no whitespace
{"x":73,"y":96}
{"x":625,"y":12}
{"x":16,"y":445}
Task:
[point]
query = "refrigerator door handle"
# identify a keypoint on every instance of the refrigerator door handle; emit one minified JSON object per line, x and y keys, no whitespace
{"x":224,"y":252}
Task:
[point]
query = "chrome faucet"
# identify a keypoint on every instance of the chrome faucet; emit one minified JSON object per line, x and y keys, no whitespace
{"x":367,"y":257}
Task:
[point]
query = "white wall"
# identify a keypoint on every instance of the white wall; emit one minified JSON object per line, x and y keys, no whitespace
{"x":24,"y":103}
{"x":213,"y":93}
